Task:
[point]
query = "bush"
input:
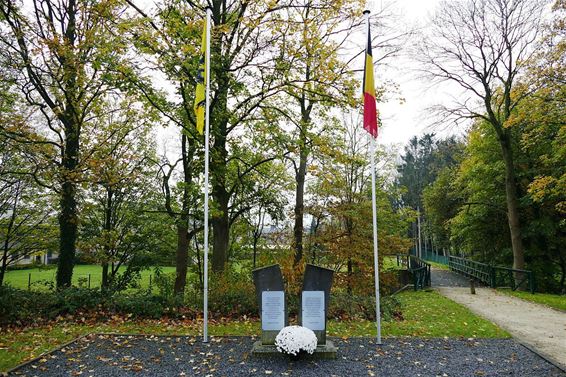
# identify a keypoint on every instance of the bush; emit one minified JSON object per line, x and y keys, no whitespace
{"x":17,"y":305}
{"x":346,"y":306}
{"x":232,"y":294}
{"x":139,"y":305}
{"x":73,"y":299}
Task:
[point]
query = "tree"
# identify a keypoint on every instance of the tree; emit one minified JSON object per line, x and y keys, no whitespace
{"x":482,"y":46}
{"x":415,"y":169}
{"x":268,"y":185}
{"x":63,"y":55}
{"x":441,"y":202}
{"x":479,"y":228}
{"x":242,"y":77}
{"x":343,"y":196}
{"x":424,"y":159}
{"x":119,"y":226}
{"x":245,"y":75}
{"x":317,"y":79}
{"x":542,"y":141}
{"x":26,"y":225}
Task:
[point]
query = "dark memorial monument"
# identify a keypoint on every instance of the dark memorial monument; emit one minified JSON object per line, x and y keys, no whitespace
{"x":315,"y":298}
{"x":270,"y":294}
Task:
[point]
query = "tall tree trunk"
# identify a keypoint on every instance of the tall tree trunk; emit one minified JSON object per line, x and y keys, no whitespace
{"x":4,"y":266}
{"x":219,"y":154}
{"x":3,"y":269}
{"x":68,"y":220}
{"x":6,"y":246}
{"x":220,"y":193}
{"x":107,"y":227}
{"x":105,"y":281}
{"x":182,"y":255}
{"x":512,"y":202}
{"x":254,"y":249}
{"x":350,"y":273}
{"x":221,"y":231}
{"x":199,"y":264}
{"x":181,"y":258}
{"x":563,"y":278}
{"x":300,"y":175}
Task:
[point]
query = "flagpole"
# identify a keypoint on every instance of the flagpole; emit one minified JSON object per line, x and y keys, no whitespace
{"x":374,"y":212}
{"x":206,"y":158}
{"x":375,"y":244}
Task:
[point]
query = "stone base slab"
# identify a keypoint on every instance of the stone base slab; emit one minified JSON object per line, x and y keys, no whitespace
{"x":323,"y":351}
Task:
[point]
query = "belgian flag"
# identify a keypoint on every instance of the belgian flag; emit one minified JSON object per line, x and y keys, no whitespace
{"x":370,"y":110}
{"x":200,"y":97}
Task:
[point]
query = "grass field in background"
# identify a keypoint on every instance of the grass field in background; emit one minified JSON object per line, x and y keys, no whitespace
{"x":390,"y":263}
{"x":554,"y":301}
{"x":19,"y":278}
{"x":426,"y":314}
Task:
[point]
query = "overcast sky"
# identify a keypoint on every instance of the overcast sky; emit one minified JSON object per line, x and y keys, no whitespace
{"x":401,"y":121}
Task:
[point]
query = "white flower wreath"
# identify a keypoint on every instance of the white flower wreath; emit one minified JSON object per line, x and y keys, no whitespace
{"x":293,"y":339}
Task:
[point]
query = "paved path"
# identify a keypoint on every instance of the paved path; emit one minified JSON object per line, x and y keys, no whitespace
{"x":537,"y":326}
{"x":445,"y":278}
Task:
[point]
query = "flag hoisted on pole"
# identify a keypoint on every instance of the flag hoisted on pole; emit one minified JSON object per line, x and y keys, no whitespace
{"x":370,"y":108}
{"x":202,"y":80}
{"x":202,"y":102}
{"x":370,"y":125}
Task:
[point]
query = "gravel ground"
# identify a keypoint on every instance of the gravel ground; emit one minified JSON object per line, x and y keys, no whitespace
{"x":102,"y":355}
{"x":445,"y":278}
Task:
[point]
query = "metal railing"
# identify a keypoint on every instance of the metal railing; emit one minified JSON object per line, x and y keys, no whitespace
{"x":419,"y":269}
{"x":493,"y":276}
{"x":436,"y":258}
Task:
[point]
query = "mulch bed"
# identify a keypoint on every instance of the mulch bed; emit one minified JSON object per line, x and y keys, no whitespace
{"x":120,"y":355}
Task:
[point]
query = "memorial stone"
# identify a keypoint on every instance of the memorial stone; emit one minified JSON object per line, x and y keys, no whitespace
{"x":315,"y":298}
{"x":270,"y":296}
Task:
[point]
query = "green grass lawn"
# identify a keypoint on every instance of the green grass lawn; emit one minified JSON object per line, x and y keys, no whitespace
{"x":554,"y":301}
{"x":426,"y":314}
{"x":19,"y":278}
{"x":390,"y":263}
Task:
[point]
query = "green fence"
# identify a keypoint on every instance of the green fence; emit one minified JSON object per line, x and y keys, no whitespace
{"x":428,"y":255}
{"x":436,"y":258}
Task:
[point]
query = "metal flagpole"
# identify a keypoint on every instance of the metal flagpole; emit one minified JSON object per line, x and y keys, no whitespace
{"x":374,"y":211}
{"x":375,"y":245}
{"x":206,"y":147}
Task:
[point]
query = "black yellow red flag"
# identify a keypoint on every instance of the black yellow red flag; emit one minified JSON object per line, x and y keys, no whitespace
{"x":370,"y":109}
{"x":200,"y":98}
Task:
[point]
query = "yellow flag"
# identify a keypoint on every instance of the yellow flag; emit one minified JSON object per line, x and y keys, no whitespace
{"x":200,"y":98}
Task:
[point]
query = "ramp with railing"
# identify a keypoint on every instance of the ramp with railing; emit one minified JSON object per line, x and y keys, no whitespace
{"x":418,"y":268}
{"x":493,"y":276}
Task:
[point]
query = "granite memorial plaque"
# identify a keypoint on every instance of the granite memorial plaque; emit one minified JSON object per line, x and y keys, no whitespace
{"x":272,"y":310}
{"x":313,"y":313}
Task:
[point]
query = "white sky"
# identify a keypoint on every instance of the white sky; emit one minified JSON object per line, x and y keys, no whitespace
{"x":402,"y":121}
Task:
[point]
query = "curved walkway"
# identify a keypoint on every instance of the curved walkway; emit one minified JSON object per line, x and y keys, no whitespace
{"x":539,"y":327}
